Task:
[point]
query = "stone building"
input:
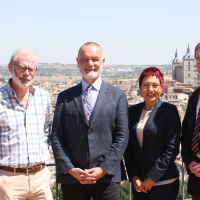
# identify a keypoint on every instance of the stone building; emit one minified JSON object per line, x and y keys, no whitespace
{"x":185,"y":71}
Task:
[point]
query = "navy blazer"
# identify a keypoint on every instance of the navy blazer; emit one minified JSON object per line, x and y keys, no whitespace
{"x":161,"y":138}
{"x":106,"y":136}
{"x":188,"y":155}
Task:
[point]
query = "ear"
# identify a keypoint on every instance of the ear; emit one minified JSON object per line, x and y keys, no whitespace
{"x":103,"y":62}
{"x":10,"y":67}
{"x":77,"y":61}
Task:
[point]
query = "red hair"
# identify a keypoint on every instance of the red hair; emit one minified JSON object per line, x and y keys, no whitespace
{"x":151,"y":71}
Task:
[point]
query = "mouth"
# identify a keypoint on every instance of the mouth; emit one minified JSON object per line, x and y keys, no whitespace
{"x":24,"y":80}
{"x":90,"y":70}
{"x":150,"y":95}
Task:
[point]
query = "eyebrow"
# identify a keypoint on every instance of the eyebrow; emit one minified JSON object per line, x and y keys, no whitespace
{"x":92,"y":57}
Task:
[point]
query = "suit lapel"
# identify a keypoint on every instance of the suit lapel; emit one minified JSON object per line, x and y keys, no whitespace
{"x":77,"y":93}
{"x":102,"y":96}
{"x":154,"y":114}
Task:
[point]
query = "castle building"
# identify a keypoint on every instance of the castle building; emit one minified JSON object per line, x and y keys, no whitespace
{"x":185,"y":71}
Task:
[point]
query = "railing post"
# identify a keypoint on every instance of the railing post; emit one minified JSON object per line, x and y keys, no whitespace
{"x":57,"y":198}
{"x":130,"y":187}
{"x":183,"y":188}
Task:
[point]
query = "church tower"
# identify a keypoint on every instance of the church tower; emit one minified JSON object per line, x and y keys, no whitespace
{"x":175,"y":62}
{"x":189,"y":68}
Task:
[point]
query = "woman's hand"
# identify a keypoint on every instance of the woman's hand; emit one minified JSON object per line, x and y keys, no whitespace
{"x":147,"y":184}
{"x":138,"y":184}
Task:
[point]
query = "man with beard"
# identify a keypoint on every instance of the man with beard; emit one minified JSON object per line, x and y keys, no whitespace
{"x":25,"y":121}
{"x":90,"y":133}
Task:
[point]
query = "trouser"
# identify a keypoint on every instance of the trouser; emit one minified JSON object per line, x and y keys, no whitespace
{"x":196,"y":197}
{"x":20,"y":186}
{"x":164,"y":192}
{"x":97,"y":191}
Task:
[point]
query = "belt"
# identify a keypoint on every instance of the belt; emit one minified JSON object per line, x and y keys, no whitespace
{"x":26,"y":170}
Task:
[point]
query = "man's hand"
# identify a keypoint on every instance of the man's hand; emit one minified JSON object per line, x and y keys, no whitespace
{"x":81,"y":175}
{"x":137,"y":183}
{"x":195,"y":168}
{"x":148,"y":183}
{"x":96,"y":173}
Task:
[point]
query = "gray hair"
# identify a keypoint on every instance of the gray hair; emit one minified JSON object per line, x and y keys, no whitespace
{"x":196,"y":48}
{"x":90,"y":44}
{"x":15,"y":54}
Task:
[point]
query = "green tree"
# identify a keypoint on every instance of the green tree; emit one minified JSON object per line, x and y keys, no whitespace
{"x":125,"y":192}
{"x":186,"y":195}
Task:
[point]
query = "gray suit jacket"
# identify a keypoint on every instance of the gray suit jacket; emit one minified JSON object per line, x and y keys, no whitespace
{"x":105,"y":137}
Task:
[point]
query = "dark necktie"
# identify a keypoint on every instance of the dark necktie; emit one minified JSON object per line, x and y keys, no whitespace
{"x":195,"y":139}
{"x":88,"y":102}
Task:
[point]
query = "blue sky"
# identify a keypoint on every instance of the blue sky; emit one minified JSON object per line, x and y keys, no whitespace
{"x":129,"y":31}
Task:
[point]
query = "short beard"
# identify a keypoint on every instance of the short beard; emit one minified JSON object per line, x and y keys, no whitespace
{"x":95,"y":74}
{"x":19,"y":82}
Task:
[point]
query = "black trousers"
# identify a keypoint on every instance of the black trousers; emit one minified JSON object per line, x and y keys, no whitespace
{"x":164,"y":192}
{"x":196,"y":197}
{"x":98,"y":191}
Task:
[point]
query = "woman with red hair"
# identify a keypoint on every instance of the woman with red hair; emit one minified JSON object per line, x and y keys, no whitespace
{"x":154,"y":140}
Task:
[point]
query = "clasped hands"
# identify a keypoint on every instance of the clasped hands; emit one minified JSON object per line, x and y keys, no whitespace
{"x":87,"y":176}
{"x":195,"y":168}
{"x":144,"y":186}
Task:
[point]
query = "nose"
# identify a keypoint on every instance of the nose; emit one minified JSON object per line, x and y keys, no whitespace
{"x":26,"y":72}
{"x":90,"y":63}
{"x":150,"y":87}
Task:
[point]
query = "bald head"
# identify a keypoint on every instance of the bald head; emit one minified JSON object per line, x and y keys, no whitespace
{"x":23,"y":52}
{"x":90,"y":44}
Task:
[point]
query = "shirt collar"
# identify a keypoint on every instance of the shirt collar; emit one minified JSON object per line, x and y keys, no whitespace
{"x":12,"y":92}
{"x":96,"y":85}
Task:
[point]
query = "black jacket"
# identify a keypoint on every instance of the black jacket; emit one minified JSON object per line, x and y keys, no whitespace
{"x":106,"y":136}
{"x":161,"y":139}
{"x":188,"y":155}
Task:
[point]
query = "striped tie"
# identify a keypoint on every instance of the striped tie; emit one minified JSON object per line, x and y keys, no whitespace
{"x":195,"y":140}
{"x":88,"y":102}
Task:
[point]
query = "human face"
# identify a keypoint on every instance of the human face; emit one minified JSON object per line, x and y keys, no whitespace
{"x":19,"y":78}
{"x":90,"y":62}
{"x":198,"y":60}
{"x":151,"y":89}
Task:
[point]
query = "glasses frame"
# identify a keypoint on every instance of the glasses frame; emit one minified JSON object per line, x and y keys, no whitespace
{"x":25,"y":68}
{"x":150,"y":85}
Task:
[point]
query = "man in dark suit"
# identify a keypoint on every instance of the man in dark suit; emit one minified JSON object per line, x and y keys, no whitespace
{"x":90,"y":133}
{"x":191,"y":138}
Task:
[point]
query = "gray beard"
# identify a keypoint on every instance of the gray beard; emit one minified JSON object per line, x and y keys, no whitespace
{"x":19,"y":82}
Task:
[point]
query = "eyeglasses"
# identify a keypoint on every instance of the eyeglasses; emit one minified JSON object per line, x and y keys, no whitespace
{"x":147,"y":86}
{"x":22,"y":68}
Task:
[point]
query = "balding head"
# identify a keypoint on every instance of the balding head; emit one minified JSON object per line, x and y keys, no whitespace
{"x":22,"y":51}
{"x":90,"y":44}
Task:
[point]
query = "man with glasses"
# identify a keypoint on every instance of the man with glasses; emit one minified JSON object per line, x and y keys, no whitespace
{"x":25,"y":121}
{"x":191,"y":137}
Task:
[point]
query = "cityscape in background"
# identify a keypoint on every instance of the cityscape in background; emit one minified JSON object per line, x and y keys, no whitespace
{"x":181,"y":79}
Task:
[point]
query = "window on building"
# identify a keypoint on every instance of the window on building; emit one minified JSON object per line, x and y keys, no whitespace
{"x":188,"y":75}
{"x":188,"y":67}
{"x":188,"y":63}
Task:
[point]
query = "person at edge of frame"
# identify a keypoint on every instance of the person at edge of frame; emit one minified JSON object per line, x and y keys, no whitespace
{"x":25,"y":122}
{"x":190,"y":139}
